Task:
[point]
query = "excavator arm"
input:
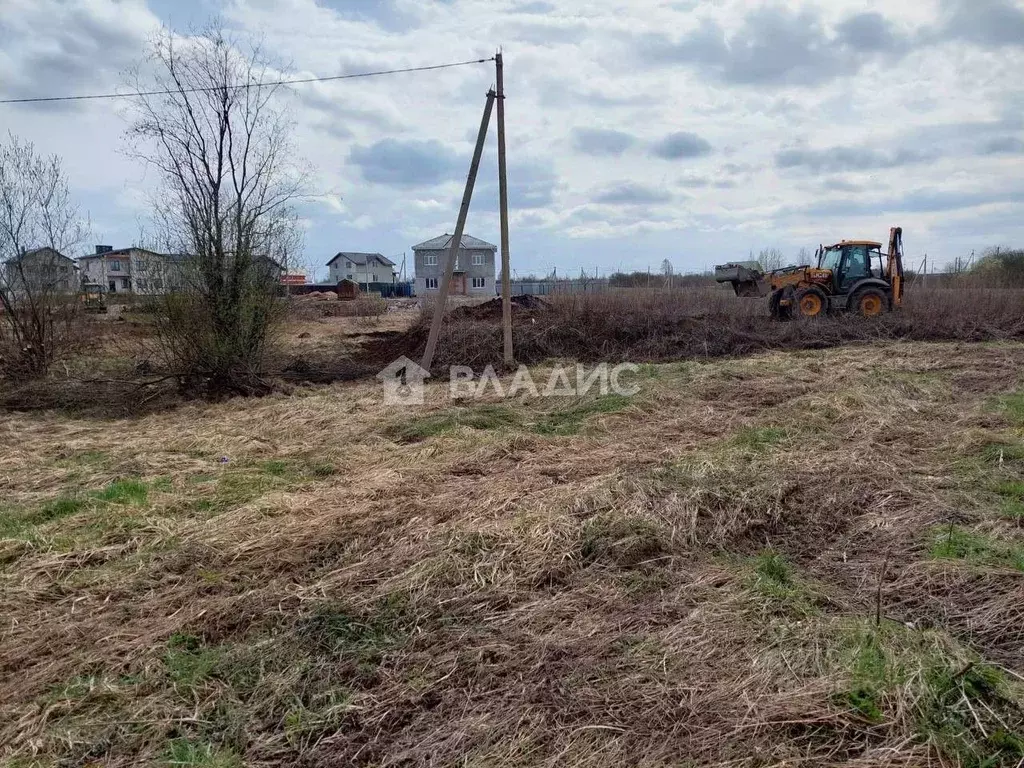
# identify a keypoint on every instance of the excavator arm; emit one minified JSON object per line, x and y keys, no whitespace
{"x":894,"y":265}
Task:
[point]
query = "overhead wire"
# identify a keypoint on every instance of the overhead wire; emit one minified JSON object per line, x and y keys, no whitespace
{"x":262,"y":84}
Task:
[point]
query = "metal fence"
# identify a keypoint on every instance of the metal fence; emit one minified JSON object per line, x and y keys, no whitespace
{"x":548,"y":287}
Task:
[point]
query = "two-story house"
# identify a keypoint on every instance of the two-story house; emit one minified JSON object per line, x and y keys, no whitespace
{"x":43,"y":270}
{"x":362,"y":268}
{"x":143,"y":272}
{"x":129,"y":270}
{"x":474,"y":266}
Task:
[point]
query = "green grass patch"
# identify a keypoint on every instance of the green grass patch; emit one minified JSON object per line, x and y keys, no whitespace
{"x":956,"y":543}
{"x":61,"y":507}
{"x":485,"y":417}
{"x":758,"y":438}
{"x":965,"y":708}
{"x":1012,"y":506}
{"x":996,"y":453}
{"x":565,"y":421}
{"x":189,"y":661}
{"x":185,"y":752}
{"x":17,"y":523}
{"x":244,"y":482}
{"x":569,"y":421}
{"x":773,"y":575}
{"x":1011,"y":406}
{"x":1012,"y":490}
{"x":128,"y":491}
{"x":775,"y":579}
{"x":276,"y":468}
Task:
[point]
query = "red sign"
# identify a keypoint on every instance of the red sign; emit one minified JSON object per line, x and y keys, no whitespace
{"x":293,"y":279}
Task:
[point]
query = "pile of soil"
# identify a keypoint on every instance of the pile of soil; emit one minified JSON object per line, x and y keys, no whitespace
{"x":491,"y":310}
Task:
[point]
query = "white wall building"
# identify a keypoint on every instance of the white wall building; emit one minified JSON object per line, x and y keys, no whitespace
{"x":363,"y":268}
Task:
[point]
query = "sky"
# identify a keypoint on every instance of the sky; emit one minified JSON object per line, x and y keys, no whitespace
{"x":696,"y":131}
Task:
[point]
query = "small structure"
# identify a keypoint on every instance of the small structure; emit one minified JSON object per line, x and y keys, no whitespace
{"x":474,"y":266}
{"x":348,"y":290}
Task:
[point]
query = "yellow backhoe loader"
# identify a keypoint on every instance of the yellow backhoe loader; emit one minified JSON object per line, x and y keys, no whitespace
{"x":850,"y":275}
{"x":92,"y":299}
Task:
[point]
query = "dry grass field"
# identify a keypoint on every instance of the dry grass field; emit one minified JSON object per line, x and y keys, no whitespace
{"x":798,"y":558}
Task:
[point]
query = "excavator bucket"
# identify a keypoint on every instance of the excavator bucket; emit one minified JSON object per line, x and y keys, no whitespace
{"x":746,"y":277}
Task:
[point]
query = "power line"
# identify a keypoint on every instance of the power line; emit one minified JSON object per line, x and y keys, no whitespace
{"x":298,"y":81}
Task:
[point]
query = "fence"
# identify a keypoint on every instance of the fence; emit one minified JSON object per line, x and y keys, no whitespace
{"x":548,"y":287}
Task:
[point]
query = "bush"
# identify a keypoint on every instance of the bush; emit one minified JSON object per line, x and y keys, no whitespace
{"x":638,"y":325}
{"x":1001,"y":268}
{"x":218,"y":347}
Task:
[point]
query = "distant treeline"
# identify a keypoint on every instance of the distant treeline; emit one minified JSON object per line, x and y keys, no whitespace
{"x":999,"y":267}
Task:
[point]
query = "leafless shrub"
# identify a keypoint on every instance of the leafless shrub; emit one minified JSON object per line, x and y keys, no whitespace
{"x":223,"y":150}
{"x":639,"y":325}
{"x":38,"y":284}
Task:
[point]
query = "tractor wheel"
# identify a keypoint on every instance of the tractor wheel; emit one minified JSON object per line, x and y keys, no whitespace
{"x":869,"y":302}
{"x":811,"y":302}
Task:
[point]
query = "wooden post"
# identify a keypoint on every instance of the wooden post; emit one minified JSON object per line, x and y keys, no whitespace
{"x":460,"y":227}
{"x":506,"y":288}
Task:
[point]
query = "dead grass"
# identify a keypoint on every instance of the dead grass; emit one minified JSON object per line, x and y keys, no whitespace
{"x":654,"y":325}
{"x":738,"y":567}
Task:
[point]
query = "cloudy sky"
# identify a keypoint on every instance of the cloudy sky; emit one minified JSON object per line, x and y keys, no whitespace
{"x":639,"y":130}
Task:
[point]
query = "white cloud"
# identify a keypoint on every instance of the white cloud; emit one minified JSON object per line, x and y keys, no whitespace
{"x":736,"y":144}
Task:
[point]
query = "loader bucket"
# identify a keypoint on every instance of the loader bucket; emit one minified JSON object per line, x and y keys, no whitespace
{"x":746,"y":277}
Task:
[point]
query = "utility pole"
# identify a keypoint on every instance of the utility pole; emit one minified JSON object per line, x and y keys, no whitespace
{"x":506,"y":288}
{"x":460,"y":227}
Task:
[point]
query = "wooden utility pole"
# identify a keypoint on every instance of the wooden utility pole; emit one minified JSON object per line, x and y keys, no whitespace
{"x":506,"y":287}
{"x":460,"y":227}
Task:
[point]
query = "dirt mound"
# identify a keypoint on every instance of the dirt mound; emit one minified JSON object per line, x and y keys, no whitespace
{"x":491,"y":310}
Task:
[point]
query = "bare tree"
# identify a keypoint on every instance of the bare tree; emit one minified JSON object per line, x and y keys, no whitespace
{"x":39,"y":285}
{"x":666,"y":268}
{"x":223,"y":148}
{"x":771,"y":259}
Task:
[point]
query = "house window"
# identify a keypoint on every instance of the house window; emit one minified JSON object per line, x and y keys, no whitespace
{"x":113,"y":286}
{"x":348,"y":276}
{"x":348,"y":265}
{"x":479,"y":282}
{"x":431,"y":283}
{"x":115,"y":266}
{"x":430,"y":260}
{"x":126,"y":284}
{"x":375,"y":277}
{"x":478,"y":259}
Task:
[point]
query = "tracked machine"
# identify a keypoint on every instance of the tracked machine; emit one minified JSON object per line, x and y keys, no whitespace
{"x":852,"y":275}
